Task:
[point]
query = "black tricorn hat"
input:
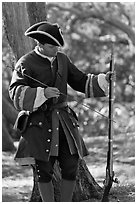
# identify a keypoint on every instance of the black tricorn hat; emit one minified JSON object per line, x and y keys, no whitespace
{"x":45,"y":32}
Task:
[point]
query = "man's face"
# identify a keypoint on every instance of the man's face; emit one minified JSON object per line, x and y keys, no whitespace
{"x":49,"y":50}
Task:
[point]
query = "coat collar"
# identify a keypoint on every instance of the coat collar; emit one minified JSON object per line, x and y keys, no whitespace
{"x":51,"y":59}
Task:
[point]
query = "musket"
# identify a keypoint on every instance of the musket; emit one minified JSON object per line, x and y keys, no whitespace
{"x":109,"y":167}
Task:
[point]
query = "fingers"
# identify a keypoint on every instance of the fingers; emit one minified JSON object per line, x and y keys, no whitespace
{"x":55,"y":92}
{"x":111,"y":76}
{"x":51,"y":92}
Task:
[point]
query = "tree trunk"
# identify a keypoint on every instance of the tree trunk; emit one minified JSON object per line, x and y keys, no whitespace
{"x":7,"y":142}
{"x":36,"y":12}
{"x":9,"y":112}
{"x":9,"y":115}
{"x":15,"y":23}
{"x":17,"y":18}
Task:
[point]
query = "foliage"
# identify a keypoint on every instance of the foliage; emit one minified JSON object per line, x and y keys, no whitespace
{"x":88,"y":28}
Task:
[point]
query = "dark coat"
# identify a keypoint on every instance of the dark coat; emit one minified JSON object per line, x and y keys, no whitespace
{"x":37,"y":137}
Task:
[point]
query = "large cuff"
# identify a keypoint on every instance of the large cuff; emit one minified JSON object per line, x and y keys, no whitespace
{"x":103,"y":83}
{"x":27,"y":98}
{"x":96,"y":86}
{"x":89,"y":87}
{"x":40,"y":98}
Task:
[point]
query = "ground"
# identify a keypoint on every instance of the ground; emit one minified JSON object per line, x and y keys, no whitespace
{"x":17,"y":181}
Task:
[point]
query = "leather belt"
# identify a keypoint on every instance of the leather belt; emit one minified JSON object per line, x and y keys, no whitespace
{"x":46,"y":107}
{"x":59,"y":105}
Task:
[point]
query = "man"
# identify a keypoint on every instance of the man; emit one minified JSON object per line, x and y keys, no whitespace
{"x":50,"y":129}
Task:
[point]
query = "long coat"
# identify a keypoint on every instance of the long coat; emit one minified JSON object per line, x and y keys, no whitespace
{"x":43,"y":124}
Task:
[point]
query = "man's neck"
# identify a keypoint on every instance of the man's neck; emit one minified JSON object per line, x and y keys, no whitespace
{"x":42,"y":55}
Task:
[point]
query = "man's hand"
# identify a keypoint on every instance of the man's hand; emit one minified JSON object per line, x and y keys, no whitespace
{"x":51,"y":92}
{"x":110,"y":76}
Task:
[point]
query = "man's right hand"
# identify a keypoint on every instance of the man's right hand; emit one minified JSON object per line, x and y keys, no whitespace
{"x":51,"y":92}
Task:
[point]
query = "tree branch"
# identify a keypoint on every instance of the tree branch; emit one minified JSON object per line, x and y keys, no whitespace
{"x":97,"y":15}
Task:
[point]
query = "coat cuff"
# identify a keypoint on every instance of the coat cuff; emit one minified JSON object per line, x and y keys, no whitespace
{"x":103,"y":83}
{"x":40,"y":98}
{"x":96,"y":86}
{"x":89,"y":87}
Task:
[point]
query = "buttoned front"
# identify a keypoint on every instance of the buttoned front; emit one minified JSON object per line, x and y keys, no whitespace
{"x":40,"y":123}
{"x":42,"y":132}
{"x":55,"y":139}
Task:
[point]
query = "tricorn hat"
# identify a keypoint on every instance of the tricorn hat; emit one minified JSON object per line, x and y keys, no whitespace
{"x":45,"y":32}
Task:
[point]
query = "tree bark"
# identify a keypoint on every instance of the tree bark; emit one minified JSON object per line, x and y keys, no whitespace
{"x":9,"y":112}
{"x":9,"y":115}
{"x":7,"y":142}
{"x":15,"y":23}
{"x":36,"y":12}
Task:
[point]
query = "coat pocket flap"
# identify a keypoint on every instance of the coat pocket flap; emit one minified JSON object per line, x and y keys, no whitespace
{"x":21,"y":121}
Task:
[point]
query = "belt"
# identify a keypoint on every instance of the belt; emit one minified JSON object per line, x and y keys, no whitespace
{"x":59,"y":105}
{"x":45,"y":107}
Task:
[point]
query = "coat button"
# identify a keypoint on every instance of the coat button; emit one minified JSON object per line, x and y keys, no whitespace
{"x":57,"y":128}
{"x":40,"y":123}
{"x":56,"y":145}
{"x":48,"y":140}
{"x":49,"y":130}
{"x":57,"y":112}
{"x":47,"y":150}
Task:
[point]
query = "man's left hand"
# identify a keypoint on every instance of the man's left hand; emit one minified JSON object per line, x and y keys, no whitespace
{"x":110,"y":76}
